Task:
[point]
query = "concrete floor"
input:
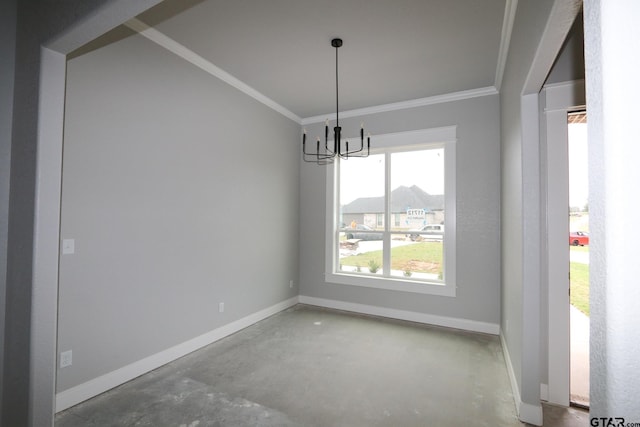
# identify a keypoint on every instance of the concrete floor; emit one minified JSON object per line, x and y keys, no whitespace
{"x":314,"y":367}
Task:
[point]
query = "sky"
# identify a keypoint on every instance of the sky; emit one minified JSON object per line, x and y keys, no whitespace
{"x":365,"y":177}
{"x":578,"y":165}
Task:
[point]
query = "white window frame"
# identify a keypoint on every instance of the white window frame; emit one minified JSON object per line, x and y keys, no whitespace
{"x":444,"y":137}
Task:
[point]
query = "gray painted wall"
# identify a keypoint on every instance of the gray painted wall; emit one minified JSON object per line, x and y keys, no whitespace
{"x":7,"y":53}
{"x":531,"y":17}
{"x":36,"y":23}
{"x":180,"y":192}
{"x":18,"y":194}
{"x":19,"y":203}
{"x":611,"y":32}
{"x":478,"y":213}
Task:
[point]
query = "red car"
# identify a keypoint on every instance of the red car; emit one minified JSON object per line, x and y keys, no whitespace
{"x":578,"y":238}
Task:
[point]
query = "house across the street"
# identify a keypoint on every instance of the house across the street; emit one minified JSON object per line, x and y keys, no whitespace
{"x":411,"y":207}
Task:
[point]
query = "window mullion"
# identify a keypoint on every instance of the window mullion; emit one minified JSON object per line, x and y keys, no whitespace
{"x":386,"y":242}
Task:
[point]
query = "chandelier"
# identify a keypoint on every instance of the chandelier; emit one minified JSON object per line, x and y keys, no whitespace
{"x":325,"y":155}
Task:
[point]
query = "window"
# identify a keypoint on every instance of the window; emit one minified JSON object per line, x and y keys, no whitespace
{"x":400,"y":207}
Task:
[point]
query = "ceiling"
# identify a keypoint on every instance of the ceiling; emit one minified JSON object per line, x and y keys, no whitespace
{"x":394,"y":50}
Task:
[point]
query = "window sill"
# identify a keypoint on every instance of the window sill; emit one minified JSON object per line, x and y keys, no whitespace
{"x":392,"y":283}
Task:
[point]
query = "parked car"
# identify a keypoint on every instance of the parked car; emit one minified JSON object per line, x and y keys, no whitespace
{"x":362,"y":232}
{"x":433,"y":232}
{"x":578,"y":238}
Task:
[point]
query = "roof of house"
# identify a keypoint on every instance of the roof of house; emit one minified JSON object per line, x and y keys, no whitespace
{"x":402,"y":198}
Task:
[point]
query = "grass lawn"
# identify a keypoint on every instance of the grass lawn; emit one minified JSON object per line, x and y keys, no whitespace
{"x":579,"y":248}
{"x":580,"y":286}
{"x":423,"y":257}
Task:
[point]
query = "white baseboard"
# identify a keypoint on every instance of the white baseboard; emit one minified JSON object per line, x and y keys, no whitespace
{"x":96,"y":386}
{"x":512,"y":375}
{"x":527,"y":413}
{"x":531,"y":414}
{"x":412,"y":316}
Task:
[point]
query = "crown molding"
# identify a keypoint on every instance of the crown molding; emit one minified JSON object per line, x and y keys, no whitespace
{"x":197,"y":60}
{"x":187,"y":54}
{"x":505,"y":39}
{"x":412,"y":103}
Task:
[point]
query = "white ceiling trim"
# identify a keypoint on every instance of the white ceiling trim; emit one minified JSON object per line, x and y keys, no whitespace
{"x":413,"y":103}
{"x":192,"y":57}
{"x":505,"y":39}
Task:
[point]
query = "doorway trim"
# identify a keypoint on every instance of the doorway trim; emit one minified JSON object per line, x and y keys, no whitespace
{"x":559,"y":100}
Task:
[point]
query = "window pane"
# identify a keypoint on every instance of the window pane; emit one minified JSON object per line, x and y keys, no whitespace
{"x":416,"y":259}
{"x":417,"y":189}
{"x":361,"y":256}
{"x":362,"y":194}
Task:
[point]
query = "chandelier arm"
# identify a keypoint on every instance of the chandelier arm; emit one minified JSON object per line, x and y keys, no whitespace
{"x":320,"y":155}
{"x":313,"y":158}
{"x":328,"y":154}
{"x":327,"y":150}
{"x":320,"y":162}
{"x":360,"y":152}
{"x":353,"y":150}
{"x":318,"y":158}
{"x":356,"y":153}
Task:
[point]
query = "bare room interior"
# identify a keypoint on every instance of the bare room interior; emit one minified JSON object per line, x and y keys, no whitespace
{"x":193,"y":262}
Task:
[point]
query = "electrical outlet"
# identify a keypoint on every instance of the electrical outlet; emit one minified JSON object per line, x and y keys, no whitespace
{"x":221,"y":307}
{"x":291,"y":283}
{"x":68,"y":246}
{"x":66,"y":358}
